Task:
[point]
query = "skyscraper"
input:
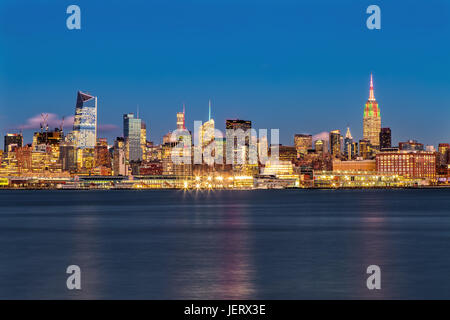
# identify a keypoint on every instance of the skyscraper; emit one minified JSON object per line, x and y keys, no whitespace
{"x":132,"y":135}
{"x":372,"y":119}
{"x":207,"y":134}
{"x":302,"y":143}
{"x":444,"y":153}
{"x":350,"y":148}
{"x":13,"y":140}
{"x":144,"y":140}
{"x":335,"y":143}
{"x":237,"y":149}
{"x":385,"y":138}
{"x":85,"y":122}
{"x":181,"y":120}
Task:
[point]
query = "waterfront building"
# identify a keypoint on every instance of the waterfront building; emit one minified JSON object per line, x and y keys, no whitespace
{"x":302,"y":142}
{"x":385,"y":138}
{"x":132,"y":134}
{"x":372,"y":119}
{"x":12,"y":141}
{"x":85,"y":121}
{"x":410,"y":164}
{"x":354,"y":166}
{"x":361,"y":179}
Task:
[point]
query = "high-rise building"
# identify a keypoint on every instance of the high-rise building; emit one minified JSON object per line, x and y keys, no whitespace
{"x":233,"y":147}
{"x":13,"y":140}
{"x":207,"y":135}
{"x":85,"y":122}
{"x":102,"y":157}
{"x":385,"y":138}
{"x":68,"y":157}
{"x":302,"y":142}
{"x":444,"y":153}
{"x":365,"y":150}
{"x":207,"y":130}
{"x":132,"y":135}
{"x":181,"y":120}
{"x":120,"y":167}
{"x":372,"y":119}
{"x":335,"y":143}
{"x":319,"y":146}
{"x":350,"y":147}
{"x":144,"y":140}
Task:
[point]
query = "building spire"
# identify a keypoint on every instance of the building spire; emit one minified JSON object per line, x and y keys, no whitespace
{"x":184,"y":116}
{"x":348,"y":135}
{"x":209,"y":112}
{"x":371,"y":94}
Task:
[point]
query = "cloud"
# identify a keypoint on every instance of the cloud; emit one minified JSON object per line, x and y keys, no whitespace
{"x":55,"y":121}
{"x":322,"y":136}
{"x":107,"y":128}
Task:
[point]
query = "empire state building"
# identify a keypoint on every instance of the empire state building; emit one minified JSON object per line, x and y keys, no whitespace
{"x":372,"y":119}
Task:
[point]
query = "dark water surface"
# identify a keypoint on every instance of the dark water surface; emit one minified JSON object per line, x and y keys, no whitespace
{"x":274,"y":244}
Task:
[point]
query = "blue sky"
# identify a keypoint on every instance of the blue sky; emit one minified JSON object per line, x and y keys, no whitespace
{"x":300,"y":66}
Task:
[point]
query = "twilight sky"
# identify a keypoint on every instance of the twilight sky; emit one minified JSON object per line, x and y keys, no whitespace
{"x":301,"y":66}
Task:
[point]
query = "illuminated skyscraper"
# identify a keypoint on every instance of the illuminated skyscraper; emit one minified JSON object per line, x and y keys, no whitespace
{"x":207,"y":131}
{"x":144,"y":140}
{"x":335,"y":143}
{"x":444,"y":153}
{"x":132,"y":135}
{"x":13,"y":140}
{"x":85,"y":122}
{"x":350,"y":148}
{"x":181,"y":120}
{"x":372,"y":119}
{"x":302,"y":143}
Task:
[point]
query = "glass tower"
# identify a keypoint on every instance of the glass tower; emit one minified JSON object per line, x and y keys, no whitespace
{"x":132,"y":134}
{"x":85,"y":122}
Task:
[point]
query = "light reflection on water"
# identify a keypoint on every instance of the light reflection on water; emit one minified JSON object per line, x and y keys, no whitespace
{"x":286,"y":244}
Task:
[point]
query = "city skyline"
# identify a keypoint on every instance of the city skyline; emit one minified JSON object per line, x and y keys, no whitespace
{"x":279,"y":77}
{"x":370,"y":109}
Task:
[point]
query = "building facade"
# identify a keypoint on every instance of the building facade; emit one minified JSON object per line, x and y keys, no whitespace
{"x":409,"y":164}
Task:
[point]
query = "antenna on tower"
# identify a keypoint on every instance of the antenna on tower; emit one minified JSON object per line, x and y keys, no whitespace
{"x":62,"y":124}
{"x":209,"y":111}
{"x":184,"y":116}
{"x":138,"y":111}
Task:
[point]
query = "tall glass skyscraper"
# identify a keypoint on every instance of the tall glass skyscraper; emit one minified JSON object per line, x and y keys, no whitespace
{"x":132,"y":134}
{"x":85,"y":122}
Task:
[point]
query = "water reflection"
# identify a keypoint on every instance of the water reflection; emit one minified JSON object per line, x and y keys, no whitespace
{"x":223,"y":267}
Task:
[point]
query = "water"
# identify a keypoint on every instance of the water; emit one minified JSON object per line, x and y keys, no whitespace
{"x":267,"y":244}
